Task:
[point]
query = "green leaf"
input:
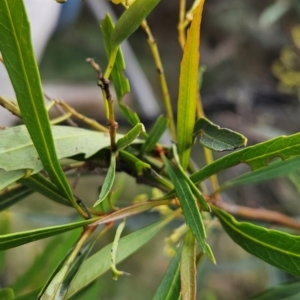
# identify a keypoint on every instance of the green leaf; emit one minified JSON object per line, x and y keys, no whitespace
{"x":19,"y":60}
{"x":7,"y":178}
{"x":130,"y":136}
{"x":40,"y":184}
{"x":189,"y":206}
{"x":274,"y":170}
{"x":290,"y":291}
{"x":256,"y":156}
{"x":12,"y":240}
{"x":218,"y":139}
{"x":274,"y":247}
{"x":58,"y":286}
{"x":155,"y":134}
{"x":169,"y":287}
{"x":7,"y":294}
{"x":99,"y":263}
{"x":28,"y":296}
{"x":17,"y":150}
{"x":12,"y":197}
{"x":188,"y":267}
{"x":120,"y":82}
{"x":108,"y":181}
{"x":188,"y":89}
{"x":131,"y":20}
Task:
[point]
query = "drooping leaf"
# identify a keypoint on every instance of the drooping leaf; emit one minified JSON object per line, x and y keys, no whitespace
{"x":189,"y":206}
{"x":12,"y":197}
{"x":188,"y":88}
{"x":12,"y":240}
{"x":274,"y":247}
{"x":218,"y":139}
{"x":57,"y":288}
{"x":131,"y":20}
{"x":289,"y":291}
{"x":19,"y":60}
{"x":120,"y":82}
{"x":169,"y":287}
{"x":256,"y":156}
{"x":158,"y":129}
{"x":7,"y":294}
{"x":130,"y":136}
{"x":99,"y":263}
{"x":108,"y":181}
{"x":188,"y":267}
{"x":113,"y":252}
{"x":273,"y":170}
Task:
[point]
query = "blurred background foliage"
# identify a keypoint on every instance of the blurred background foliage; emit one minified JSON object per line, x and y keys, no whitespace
{"x":251,"y":51}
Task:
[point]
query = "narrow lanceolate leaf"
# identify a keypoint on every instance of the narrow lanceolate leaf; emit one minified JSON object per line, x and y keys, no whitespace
{"x":12,"y":240}
{"x":155,"y":134}
{"x":61,"y":281}
{"x":12,"y":197}
{"x":274,"y":247}
{"x":257,"y":156}
{"x":119,"y":80}
{"x":108,"y":181}
{"x":131,"y":20}
{"x":189,"y":206}
{"x":130,"y":136}
{"x":19,"y":60}
{"x":113,"y":253}
{"x":169,"y":288}
{"x":188,"y":89}
{"x":274,"y":170}
{"x":40,"y":184}
{"x":218,"y":139}
{"x":99,"y":263}
{"x":188,"y":268}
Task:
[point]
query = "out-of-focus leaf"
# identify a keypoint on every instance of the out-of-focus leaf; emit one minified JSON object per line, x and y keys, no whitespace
{"x":188,"y":267}
{"x":7,"y":294}
{"x":40,"y":184}
{"x":7,"y":178}
{"x":274,"y":247}
{"x":189,"y":206}
{"x":12,"y":240}
{"x":28,"y":296}
{"x":130,"y":136}
{"x":218,"y":139}
{"x":256,"y":156}
{"x":57,"y":288}
{"x":274,"y":170}
{"x":155,"y":134}
{"x":120,"y":82}
{"x":131,"y":20}
{"x":169,"y":287}
{"x":12,"y":197}
{"x":19,"y":60}
{"x":273,"y":13}
{"x":108,"y":181}
{"x":188,"y":89}
{"x":99,"y":263}
{"x":290,"y":291}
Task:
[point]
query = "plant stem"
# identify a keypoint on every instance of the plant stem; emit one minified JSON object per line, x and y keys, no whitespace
{"x":162,"y":78}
